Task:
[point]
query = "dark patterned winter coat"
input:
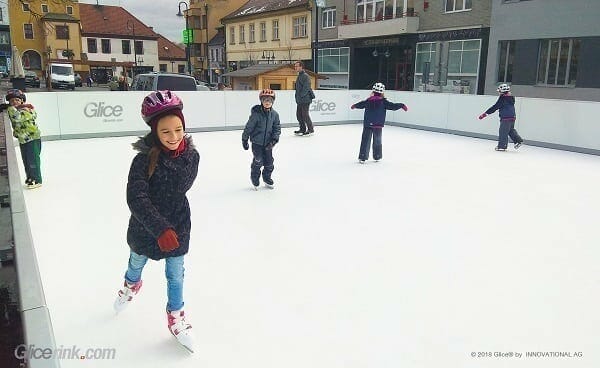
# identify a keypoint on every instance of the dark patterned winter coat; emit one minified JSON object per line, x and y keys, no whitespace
{"x":159,"y":202}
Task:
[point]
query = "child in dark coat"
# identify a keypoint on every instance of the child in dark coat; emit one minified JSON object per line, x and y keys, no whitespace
{"x":374,"y":119}
{"x":506,"y":105}
{"x":263,"y":130}
{"x":159,"y":227}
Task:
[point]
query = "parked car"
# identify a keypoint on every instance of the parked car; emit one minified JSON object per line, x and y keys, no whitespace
{"x":162,"y":81}
{"x":78,"y":81}
{"x":32,"y":79}
{"x":202,"y":86}
{"x":114,"y":83}
{"x":3,"y":71}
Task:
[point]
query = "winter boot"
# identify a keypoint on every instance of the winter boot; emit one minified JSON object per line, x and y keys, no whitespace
{"x":126,"y":295}
{"x":181,"y":329}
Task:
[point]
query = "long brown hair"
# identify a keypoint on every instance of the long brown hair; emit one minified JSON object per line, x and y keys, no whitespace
{"x":153,"y":160}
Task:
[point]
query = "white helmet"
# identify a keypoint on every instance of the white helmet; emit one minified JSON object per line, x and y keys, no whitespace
{"x":379,"y":87}
{"x":503,"y":88}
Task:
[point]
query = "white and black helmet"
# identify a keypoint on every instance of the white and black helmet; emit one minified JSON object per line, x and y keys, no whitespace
{"x":379,"y":87}
{"x":503,"y":88}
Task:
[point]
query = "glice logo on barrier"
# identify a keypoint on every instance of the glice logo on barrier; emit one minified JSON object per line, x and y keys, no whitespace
{"x":327,"y":108}
{"x":100,"y":110}
{"x":32,"y":352}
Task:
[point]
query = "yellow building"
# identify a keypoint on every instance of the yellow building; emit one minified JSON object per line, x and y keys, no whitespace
{"x":268,"y":31}
{"x":204,"y":17}
{"x":45,"y":31}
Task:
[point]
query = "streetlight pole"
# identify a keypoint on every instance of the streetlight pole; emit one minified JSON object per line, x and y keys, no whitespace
{"x":206,"y":45}
{"x":131,"y":26}
{"x":187,"y":27}
{"x":319,"y":4}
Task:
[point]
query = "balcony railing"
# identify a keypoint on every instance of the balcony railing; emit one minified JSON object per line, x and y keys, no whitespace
{"x":407,"y":22}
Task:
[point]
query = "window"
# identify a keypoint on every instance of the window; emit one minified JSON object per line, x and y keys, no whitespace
{"x":334,"y":60}
{"x":204,"y":22}
{"x":162,"y":67}
{"x":232,"y":35}
{"x":557,"y":62}
{"x":506,"y":56}
{"x":242,"y":34}
{"x":44,"y":8}
{"x":126,"y":46}
{"x":463,"y":57}
{"x":275,"y":29}
{"x":62,"y":32}
{"x":426,"y":53}
{"x":299,"y":27}
{"x":263,"y":31}
{"x":28,"y":31}
{"x":25,"y":7}
{"x":328,"y":17}
{"x":458,"y":5}
{"x":180,"y":69}
{"x":251,"y":32}
{"x":4,"y":38}
{"x":92,"y":45}
{"x":70,"y":10}
{"x":139,"y":47}
{"x":1,"y":16}
{"x":369,"y":10}
{"x":105,"y":46}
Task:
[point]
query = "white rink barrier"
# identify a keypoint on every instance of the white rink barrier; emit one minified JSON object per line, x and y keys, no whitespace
{"x":561,"y":124}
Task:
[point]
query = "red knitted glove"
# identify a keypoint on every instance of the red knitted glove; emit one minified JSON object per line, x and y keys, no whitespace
{"x":352,"y":107}
{"x":482,"y":116}
{"x":405,"y":108}
{"x":167,"y":241}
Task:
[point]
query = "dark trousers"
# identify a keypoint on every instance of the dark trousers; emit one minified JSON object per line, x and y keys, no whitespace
{"x":365,"y":144}
{"x":262,"y":157}
{"x":304,"y":118}
{"x":30,"y":153}
{"x":507,"y":129}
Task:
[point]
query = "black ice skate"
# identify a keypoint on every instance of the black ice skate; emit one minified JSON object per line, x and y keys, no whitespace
{"x":518,"y":144}
{"x":500,"y":149}
{"x":269,"y":183}
{"x":299,"y":132}
{"x":255,"y":183}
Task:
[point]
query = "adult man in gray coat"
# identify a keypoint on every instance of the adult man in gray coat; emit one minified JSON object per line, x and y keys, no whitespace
{"x":304,"y":96}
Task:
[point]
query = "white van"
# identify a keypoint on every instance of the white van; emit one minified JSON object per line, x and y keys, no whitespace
{"x":61,"y":75}
{"x":162,"y":81}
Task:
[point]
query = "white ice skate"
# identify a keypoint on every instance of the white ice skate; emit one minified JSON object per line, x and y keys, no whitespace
{"x":126,"y":295}
{"x":181,"y":329}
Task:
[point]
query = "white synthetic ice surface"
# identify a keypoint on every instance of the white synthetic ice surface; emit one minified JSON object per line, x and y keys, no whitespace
{"x":444,"y":248}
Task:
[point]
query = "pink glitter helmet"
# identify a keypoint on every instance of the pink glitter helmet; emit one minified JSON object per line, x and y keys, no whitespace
{"x":159,"y":102}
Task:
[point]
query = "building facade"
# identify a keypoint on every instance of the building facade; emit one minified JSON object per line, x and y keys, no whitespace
{"x":45,"y":31}
{"x":545,"y":48}
{"x":452,"y":44}
{"x":5,"y":47}
{"x":171,"y":57}
{"x":268,"y":31}
{"x":115,"y":42}
{"x":359,"y":43}
{"x":204,"y":18}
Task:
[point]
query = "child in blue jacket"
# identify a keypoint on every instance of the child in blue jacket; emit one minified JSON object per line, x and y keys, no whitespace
{"x":375,"y":108}
{"x":506,"y":105}
{"x":263,"y":130}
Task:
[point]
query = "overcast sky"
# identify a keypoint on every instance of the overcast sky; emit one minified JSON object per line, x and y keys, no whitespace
{"x":159,"y":14}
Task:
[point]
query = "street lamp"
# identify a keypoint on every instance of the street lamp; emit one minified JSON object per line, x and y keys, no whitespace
{"x":206,"y":45}
{"x":270,"y":55}
{"x":320,"y":4}
{"x":187,"y":27}
{"x":131,"y":26}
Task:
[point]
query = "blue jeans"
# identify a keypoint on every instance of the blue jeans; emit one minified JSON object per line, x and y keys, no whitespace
{"x":173,"y":271}
{"x":507,"y":129}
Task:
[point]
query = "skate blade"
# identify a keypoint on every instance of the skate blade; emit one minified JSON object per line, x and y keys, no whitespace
{"x":270,"y":186}
{"x":255,"y":188}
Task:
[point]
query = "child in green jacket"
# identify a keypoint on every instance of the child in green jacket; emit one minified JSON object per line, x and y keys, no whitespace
{"x":22,"y":117}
